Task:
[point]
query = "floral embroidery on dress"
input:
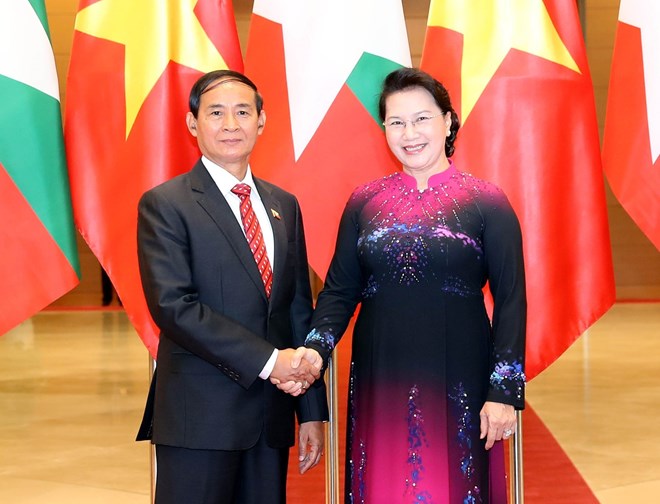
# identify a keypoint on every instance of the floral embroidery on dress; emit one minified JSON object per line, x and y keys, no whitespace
{"x":508,"y":377}
{"x":466,"y":424}
{"x":416,"y":441}
{"x":326,"y":339}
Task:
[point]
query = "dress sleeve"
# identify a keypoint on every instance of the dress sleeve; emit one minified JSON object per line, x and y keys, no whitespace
{"x":506,"y":278}
{"x":342,"y":290}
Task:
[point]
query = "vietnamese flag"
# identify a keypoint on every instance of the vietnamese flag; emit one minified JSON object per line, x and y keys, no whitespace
{"x":631,"y":143}
{"x":39,"y":255}
{"x":518,"y":77}
{"x":132,"y":67}
{"x":320,"y":66}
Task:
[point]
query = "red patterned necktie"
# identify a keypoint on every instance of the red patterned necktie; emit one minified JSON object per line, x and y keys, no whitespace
{"x":254,"y":235}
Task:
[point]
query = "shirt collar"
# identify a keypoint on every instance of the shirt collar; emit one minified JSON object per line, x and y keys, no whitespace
{"x":226,"y":181}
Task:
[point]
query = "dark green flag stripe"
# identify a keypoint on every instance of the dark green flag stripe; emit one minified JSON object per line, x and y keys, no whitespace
{"x":40,"y":9}
{"x":32,"y":152}
{"x":366,"y":81}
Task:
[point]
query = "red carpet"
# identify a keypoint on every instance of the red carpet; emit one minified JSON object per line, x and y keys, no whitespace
{"x":549,"y":475}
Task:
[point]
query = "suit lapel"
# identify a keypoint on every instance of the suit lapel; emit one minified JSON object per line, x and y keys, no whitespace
{"x":213,"y":202}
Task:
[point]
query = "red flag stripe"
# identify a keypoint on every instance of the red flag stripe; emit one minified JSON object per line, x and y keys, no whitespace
{"x":632,"y":174}
{"x":33,"y":269}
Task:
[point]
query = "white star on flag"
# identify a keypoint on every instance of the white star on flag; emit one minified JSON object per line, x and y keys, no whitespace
{"x":645,"y":15}
{"x":323,"y":41}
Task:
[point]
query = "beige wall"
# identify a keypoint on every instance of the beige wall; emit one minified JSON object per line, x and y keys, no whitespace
{"x":636,"y":261}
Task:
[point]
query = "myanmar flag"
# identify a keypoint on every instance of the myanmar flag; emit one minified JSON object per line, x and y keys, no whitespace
{"x":132,"y":67}
{"x":39,"y":256}
{"x":631,"y":144}
{"x":319,"y":66}
{"x":518,"y":77}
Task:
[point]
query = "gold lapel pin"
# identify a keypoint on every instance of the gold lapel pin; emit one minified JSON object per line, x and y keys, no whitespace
{"x":276,"y":214}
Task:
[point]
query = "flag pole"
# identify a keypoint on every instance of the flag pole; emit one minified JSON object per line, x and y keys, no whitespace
{"x":516,"y":459}
{"x":332,"y":436}
{"x":583,"y":16}
{"x":152,"y":447}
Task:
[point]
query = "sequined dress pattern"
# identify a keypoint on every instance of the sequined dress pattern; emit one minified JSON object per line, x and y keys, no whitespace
{"x":425,"y":355}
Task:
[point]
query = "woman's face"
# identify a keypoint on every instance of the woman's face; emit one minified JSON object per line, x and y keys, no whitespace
{"x":416,"y":129}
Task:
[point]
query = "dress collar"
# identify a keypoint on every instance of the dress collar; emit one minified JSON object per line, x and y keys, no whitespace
{"x":434,"y":180}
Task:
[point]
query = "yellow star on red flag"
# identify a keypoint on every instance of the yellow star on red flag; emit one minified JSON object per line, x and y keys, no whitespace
{"x":490,"y":31}
{"x":154,"y":32}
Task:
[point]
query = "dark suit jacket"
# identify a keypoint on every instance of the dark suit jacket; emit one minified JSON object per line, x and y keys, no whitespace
{"x":217,"y":327}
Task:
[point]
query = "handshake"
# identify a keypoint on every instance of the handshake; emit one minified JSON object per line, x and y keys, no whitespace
{"x":295,"y":370}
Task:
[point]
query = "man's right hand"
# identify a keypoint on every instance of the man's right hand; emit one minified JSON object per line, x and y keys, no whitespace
{"x":295,"y":370}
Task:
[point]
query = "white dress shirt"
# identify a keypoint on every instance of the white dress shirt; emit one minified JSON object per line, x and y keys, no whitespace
{"x":225,"y":182}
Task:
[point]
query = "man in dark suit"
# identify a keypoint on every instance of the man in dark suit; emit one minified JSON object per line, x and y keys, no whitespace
{"x":230,"y":317}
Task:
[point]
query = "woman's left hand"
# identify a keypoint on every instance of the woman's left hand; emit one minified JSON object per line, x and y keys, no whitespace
{"x":498,"y":421}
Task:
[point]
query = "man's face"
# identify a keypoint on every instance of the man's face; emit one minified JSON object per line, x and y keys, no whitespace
{"x":227,"y":124}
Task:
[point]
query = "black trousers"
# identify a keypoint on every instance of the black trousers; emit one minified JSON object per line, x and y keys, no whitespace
{"x":254,"y":476}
